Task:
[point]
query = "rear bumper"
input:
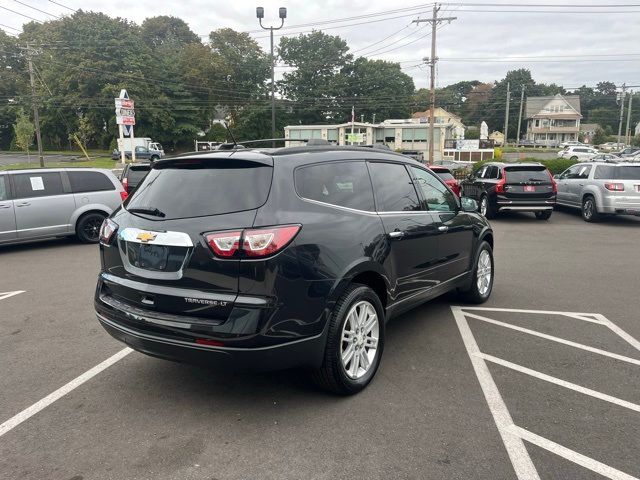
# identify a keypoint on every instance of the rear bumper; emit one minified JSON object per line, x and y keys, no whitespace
{"x":307,"y":352}
{"x":525,"y":206}
{"x":620,"y":206}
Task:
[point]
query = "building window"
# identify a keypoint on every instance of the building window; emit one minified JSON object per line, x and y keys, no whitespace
{"x":389,"y":135}
{"x":332,"y":134}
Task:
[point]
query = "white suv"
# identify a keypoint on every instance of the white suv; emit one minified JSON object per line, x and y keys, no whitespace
{"x":578,"y":153}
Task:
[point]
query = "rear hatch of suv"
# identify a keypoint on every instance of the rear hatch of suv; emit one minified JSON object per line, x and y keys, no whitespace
{"x":621,"y":183}
{"x":159,"y":258}
{"x":531,"y":184}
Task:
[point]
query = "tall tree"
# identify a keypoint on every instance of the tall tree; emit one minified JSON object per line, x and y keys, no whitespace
{"x":375,"y":87}
{"x":317,"y":59}
{"x":12,"y":85}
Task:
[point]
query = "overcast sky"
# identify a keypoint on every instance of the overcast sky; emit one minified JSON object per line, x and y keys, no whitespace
{"x":570,"y":46}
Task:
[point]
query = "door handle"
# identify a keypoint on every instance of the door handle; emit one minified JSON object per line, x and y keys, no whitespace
{"x":5,"y":206}
{"x":581,"y":184}
{"x":396,"y":234}
{"x":23,"y":204}
{"x":443,"y":228}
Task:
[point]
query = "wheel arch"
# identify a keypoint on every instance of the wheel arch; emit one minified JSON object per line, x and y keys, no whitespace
{"x":368,"y":273}
{"x":86,"y":209}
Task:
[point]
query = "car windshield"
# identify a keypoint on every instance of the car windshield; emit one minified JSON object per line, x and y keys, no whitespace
{"x":201,"y":189}
{"x":136,"y":174}
{"x":526,"y":174}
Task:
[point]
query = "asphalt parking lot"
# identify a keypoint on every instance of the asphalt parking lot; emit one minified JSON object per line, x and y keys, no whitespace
{"x":541,"y":383}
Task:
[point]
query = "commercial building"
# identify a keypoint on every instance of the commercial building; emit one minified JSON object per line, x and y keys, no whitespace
{"x":409,"y":135}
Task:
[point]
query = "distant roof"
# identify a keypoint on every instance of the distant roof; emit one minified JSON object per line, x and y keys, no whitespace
{"x":535,"y":104}
{"x":586,"y":127}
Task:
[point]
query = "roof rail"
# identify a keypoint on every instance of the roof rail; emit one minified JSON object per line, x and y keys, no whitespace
{"x":317,"y":141}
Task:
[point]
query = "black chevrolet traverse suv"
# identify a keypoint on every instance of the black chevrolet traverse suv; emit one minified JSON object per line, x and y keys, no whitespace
{"x":521,"y":187}
{"x":291,"y":257}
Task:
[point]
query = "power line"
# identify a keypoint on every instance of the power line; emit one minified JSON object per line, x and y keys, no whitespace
{"x":11,"y":28}
{"x":22,"y":14}
{"x":63,"y":6}
{"x":36,"y":9}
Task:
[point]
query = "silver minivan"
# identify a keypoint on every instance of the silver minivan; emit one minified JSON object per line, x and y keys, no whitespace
{"x":55,"y":202}
{"x":599,"y":188}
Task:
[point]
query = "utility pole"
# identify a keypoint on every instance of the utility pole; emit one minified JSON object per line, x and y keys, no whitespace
{"x":434,"y":21}
{"x":374,"y":118}
{"x":36,"y":114}
{"x":624,"y":89}
{"x":627,"y":132}
{"x":520,"y":115}
{"x":282,"y":13}
{"x":506,"y":117}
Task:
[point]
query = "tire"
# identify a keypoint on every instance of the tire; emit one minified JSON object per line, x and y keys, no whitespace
{"x":346,"y":378}
{"x":476,"y":293}
{"x":574,"y":159}
{"x":486,"y":209}
{"x":590,"y":209}
{"x":154,"y":158}
{"x":544,"y":215}
{"x":88,"y":227}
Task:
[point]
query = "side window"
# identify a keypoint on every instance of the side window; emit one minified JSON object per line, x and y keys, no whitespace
{"x":393,"y":186}
{"x":436,"y":195}
{"x":345,"y":184}
{"x":583,"y":171}
{"x":4,"y":190}
{"x":492,"y":172}
{"x":480,"y":173}
{"x":604,"y":172}
{"x":39,"y":184}
{"x":570,"y":172}
{"x":89,"y":182}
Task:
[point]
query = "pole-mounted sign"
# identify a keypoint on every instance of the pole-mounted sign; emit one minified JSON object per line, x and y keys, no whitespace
{"x":126,"y":119}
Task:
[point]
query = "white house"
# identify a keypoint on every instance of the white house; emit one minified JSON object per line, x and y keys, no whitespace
{"x":554,"y":119}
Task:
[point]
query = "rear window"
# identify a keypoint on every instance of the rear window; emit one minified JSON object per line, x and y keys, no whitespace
{"x":345,"y":184}
{"x":136,"y":174}
{"x":526,"y":174}
{"x":89,"y":182}
{"x":627,"y":173}
{"x":444,"y":175}
{"x":199,"y":190}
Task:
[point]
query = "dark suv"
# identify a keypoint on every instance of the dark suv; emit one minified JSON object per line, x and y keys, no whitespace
{"x":502,"y":187}
{"x":292,"y":257}
{"x":132,"y":175}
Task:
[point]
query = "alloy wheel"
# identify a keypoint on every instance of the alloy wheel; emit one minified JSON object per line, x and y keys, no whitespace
{"x":587,"y":209}
{"x":484,"y":272}
{"x":91,"y":228}
{"x":484,"y":205}
{"x":360,"y":335}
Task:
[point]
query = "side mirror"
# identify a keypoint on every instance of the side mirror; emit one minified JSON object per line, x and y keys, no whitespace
{"x":556,"y":176}
{"x":468,"y":204}
{"x":470,"y":176}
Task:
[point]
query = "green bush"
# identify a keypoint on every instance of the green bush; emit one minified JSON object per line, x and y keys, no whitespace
{"x":497,"y":154}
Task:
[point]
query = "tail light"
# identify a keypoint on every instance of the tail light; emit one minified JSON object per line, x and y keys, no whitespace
{"x":125,"y":184}
{"x":500,"y":184}
{"x":614,"y":187}
{"x":224,"y":244}
{"x":251,"y":242}
{"x":108,"y":228}
{"x":124,"y":195}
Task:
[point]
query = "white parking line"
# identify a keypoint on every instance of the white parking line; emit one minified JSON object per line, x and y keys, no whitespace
{"x":520,"y":459}
{"x":522,"y":463}
{"x":61,"y":392}
{"x":557,"y":381}
{"x":4,"y":295}
{"x":555,"y":339}
{"x":570,"y":455}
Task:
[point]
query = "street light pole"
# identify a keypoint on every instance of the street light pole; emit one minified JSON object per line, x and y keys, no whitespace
{"x":282,"y":12}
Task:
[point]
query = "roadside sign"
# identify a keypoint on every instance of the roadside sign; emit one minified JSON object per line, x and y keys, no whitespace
{"x":125,"y":112}
{"x":125,"y":120}
{"x":124,"y":103}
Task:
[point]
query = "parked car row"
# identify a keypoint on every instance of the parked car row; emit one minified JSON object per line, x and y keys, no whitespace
{"x":597,"y":188}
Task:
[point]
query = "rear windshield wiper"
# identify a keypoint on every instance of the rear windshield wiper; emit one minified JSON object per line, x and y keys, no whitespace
{"x":147,"y":210}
